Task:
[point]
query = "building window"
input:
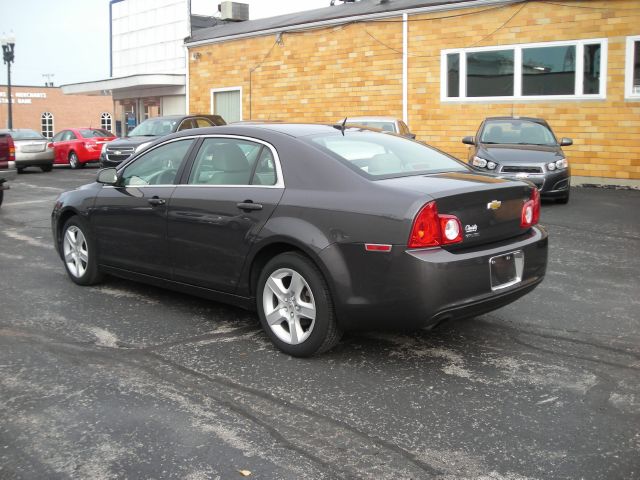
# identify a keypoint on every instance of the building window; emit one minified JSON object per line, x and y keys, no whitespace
{"x":535,"y":71}
{"x":549,"y":70}
{"x":46,"y":124}
{"x":227,"y":102}
{"x":490,"y":74}
{"x":105,"y":121}
{"x":632,"y":80}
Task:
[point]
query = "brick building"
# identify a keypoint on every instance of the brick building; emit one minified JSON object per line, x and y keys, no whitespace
{"x":48,"y":110}
{"x":442,"y":66}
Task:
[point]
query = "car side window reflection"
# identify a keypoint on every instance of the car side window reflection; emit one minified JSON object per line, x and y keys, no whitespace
{"x":226,"y":161}
{"x":159,"y":166}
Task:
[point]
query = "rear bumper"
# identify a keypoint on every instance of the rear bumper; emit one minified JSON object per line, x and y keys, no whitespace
{"x":418,"y":288}
{"x":34,"y":159}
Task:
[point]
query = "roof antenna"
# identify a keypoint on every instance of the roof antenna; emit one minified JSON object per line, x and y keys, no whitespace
{"x":341,"y":126}
{"x":344,"y":125}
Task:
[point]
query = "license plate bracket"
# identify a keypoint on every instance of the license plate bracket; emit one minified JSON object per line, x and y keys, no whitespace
{"x":506,"y":269}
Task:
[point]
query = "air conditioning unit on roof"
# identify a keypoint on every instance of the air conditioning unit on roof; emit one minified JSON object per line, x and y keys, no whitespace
{"x":234,"y":11}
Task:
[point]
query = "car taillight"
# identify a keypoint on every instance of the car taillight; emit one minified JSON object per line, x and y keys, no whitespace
{"x":431,"y":229}
{"x":12,"y":150}
{"x":531,"y":210}
{"x":49,"y":145}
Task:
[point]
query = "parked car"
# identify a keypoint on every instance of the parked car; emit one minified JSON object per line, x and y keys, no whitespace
{"x":32,"y":149}
{"x":78,"y":146}
{"x":7,"y":162}
{"x":141,"y":136}
{"x":277,"y":218}
{"x":386,"y":124}
{"x":523,"y":148}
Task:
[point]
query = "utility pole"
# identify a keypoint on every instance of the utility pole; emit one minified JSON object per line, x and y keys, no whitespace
{"x":8,"y":46}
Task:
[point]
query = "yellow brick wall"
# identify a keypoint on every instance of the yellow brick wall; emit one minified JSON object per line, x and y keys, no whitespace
{"x":325,"y":74}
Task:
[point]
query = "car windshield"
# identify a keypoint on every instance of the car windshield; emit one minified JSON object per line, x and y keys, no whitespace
{"x":26,"y":135}
{"x":380,"y":155}
{"x":94,"y":132}
{"x":386,"y":126}
{"x":154,"y":127}
{"x":517,"y":132}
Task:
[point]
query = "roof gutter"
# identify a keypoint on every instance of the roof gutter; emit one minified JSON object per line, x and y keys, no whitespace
{"x":354,"y":18}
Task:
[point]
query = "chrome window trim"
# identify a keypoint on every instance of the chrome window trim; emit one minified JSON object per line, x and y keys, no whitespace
{"x":276,"y":158}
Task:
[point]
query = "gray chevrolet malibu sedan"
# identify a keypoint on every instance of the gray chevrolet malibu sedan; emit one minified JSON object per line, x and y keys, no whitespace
{"x":318,"y":228}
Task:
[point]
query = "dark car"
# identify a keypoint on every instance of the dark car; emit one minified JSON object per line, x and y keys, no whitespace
{"x":522,"y":148}
{"x":117,"y":151}
{"x":7,"y":162}
{"x":320,"y":229}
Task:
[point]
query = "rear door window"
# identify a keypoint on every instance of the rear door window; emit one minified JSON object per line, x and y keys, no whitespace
{"x":226,"y":161}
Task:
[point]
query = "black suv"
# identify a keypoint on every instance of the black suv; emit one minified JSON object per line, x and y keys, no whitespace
{"x":115,"y":152}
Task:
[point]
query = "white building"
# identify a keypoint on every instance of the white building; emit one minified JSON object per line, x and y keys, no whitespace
{"x":148,"y":59}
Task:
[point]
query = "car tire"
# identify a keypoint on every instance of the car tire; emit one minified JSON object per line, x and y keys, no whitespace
{"x":74,"y":162}
{"x":46,"y":168}
{"x":20,"y":169}
{"x":290,"y":291}
{"x":1,"y":196}
{"x":79,"y":253}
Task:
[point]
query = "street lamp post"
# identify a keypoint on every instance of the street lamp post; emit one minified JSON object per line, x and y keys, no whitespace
{"x":8,"y":45}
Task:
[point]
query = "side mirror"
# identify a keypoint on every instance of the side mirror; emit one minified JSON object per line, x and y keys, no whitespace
{"x":412,"y":136}
{"x":469,"y":141}
{"x":108,"y":176}
{"x":565,"y":142}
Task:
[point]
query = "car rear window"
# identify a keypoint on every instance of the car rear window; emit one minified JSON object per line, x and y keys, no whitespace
{"x":380,"y":155}
{"x":94,"y":132}
{"x":26,"y":135}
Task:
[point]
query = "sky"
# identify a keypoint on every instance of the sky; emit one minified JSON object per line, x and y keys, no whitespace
{"x":70,"y":38}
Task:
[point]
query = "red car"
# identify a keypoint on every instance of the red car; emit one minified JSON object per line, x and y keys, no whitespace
{"x":79,"y":146}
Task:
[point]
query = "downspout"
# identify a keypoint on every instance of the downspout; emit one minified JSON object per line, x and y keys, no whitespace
{"x":405,"y":67}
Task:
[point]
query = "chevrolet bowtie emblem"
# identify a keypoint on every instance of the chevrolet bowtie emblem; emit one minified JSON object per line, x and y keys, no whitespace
{"x":494,"y":205}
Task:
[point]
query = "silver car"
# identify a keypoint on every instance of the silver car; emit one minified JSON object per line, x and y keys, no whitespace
{"x":32,"y":149}
{"x":386,"y":124}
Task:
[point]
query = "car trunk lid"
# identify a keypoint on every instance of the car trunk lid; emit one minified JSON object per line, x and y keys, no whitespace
{"x":31,"y":146}
{"x":489,"y":208}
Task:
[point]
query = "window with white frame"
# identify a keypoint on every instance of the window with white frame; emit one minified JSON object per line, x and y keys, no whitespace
{"x":105,"y":121}
{"x":632,"y":76}
{"x":46,"y":124}
{"x":535,"y":71}
{"x":227,"y":102}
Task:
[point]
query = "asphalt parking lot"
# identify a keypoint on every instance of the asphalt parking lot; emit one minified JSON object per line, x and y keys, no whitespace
{"x":123,"y":380}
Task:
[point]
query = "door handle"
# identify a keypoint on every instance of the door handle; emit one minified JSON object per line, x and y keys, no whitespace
{"x":249,"y":205}
{"x":156,"y":201}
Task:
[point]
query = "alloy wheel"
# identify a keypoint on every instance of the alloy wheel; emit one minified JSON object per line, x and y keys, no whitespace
{"x":76,"y":252}
{"x":73,"y":160}
{"x":289,"y":306}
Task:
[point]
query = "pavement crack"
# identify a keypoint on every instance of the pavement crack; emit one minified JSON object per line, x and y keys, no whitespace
{"x":338,"y":426}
